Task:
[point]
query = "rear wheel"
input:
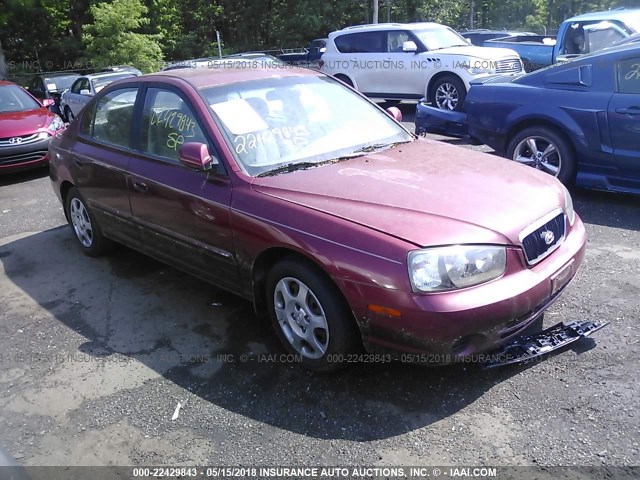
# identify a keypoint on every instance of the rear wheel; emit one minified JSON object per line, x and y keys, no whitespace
{"x":448,"y":93}
{"x":85,"y":227}
{"x":309,"y":315}
{"x":544,"y":149}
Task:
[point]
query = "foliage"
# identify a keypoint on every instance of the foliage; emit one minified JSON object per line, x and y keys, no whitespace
{"x":112,"y":38}
{"x":59,"y":33}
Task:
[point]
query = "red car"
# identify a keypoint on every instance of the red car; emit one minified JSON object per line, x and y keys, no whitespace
{"x":26,"y":127}
{"x":295,"y":192}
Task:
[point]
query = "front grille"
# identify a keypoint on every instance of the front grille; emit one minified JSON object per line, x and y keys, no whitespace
{"x":540,"y":241}
{"x":510,"y":65}
{"x":22,"y":157}
{"x":19,"y":140}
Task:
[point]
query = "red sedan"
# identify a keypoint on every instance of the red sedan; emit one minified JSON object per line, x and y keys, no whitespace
{"x":293,"y":191}
{"x":26,"y":127}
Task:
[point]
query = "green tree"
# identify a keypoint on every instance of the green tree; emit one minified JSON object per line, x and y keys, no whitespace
{"x":114,"y":37}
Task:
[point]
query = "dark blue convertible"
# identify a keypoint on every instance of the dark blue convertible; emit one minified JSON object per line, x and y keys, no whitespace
{"x":579,"y":121}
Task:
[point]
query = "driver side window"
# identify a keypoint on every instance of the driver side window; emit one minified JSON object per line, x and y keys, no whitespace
{"x":80,"y":84}
{"x":395,"y":40}
{"x":167,"y":123}
{"x":629,"y":76}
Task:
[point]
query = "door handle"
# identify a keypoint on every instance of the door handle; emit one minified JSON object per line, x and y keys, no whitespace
{"x":140,"y":187}
{"x":79,"y":163}
{"x":629,"y":111}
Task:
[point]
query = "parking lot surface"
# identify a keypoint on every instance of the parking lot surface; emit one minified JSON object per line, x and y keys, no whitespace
{"x":96,"y":354}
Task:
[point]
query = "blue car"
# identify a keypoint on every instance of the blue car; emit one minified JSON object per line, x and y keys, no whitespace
{"x":579,"y":121}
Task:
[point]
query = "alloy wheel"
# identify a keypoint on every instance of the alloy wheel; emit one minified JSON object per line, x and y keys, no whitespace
{"x":540,"y":153}
{"x":447,"y":96}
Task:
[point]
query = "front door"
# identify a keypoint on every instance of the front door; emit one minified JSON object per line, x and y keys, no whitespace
{"x":184,"y":214}
{"x":624,"y":118}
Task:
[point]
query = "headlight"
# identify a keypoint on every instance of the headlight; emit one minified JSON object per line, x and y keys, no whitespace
{"x":457,"y":266}
{"x":481,"y":70}
{"x":568,"y":206}
{"x":56,"y":124}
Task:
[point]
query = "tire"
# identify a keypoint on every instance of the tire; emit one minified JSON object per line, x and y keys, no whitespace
{"x":448,"y":93}
{"x":552,"y":154}
{"x":344,"y":79}
{"x":84,"y":226}
{"x":68,"y":114}
{"x":292,"y":315}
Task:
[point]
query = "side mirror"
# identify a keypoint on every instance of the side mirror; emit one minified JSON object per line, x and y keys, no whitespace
{"x":196,"y":155}
{"x":47,"y":102}
{"x":409,"y":46}
{"x":84,"y":91}
{"x":395,"y":113}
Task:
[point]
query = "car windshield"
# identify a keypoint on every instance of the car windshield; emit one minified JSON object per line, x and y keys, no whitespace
{"x":442,"y":37}
{"x":60,"y":83}
{"x":15,"y":99}
{"x":101,"y":82}
{"x":290,"y":123}
{"x":635,"y":24}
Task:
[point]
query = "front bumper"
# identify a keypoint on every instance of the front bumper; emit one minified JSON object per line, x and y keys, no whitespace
{"x":24,"y":156}
{"x":451,"y":325}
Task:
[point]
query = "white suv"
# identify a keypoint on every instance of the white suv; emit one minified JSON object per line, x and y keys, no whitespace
{"x":409,"y":61}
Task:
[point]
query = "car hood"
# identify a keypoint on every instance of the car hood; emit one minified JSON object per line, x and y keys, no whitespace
{"x":24,"y":123}
{"x":425,"y":192}
{"x":493,"y":79}
{"x":486,"y":53}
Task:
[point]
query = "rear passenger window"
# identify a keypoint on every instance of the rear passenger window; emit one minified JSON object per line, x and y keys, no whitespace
{"x":629,"y":76}
{"x":365,"y":42}
{"x":167,"y":123}
{"x":113,"y":117}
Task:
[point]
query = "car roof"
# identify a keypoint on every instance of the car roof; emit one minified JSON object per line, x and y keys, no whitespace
{"x":57,"y":75}
{"x":7,"y":82}
{"x":210,"y":77}
{"x":387,"y":26}
{"x":621,"y":14}
{"x":93,"y":76}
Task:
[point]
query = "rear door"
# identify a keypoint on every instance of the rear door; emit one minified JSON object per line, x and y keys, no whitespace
{"x":364,"y":52}
{"x":184,"y":214}
{"x":624,"y":118}
{"x":100,"y":160}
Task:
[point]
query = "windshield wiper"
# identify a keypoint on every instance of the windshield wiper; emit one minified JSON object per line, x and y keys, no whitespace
{"x":292,"y":167}
{"x":372,"y":148}
{"x":289,"y":167}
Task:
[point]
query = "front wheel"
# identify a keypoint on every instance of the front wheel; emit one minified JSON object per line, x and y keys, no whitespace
{"x":545,"y":149}
{"x":449,"y":93}
{"x":309,"y":315}
{"x":68,"y":114}
{"x":85,"y":227}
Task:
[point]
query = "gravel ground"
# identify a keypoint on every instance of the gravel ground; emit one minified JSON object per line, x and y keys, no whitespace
{"x":95,"y":355}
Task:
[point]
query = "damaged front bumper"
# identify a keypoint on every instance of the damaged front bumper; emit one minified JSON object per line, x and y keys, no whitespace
{"x":530,"y":347}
